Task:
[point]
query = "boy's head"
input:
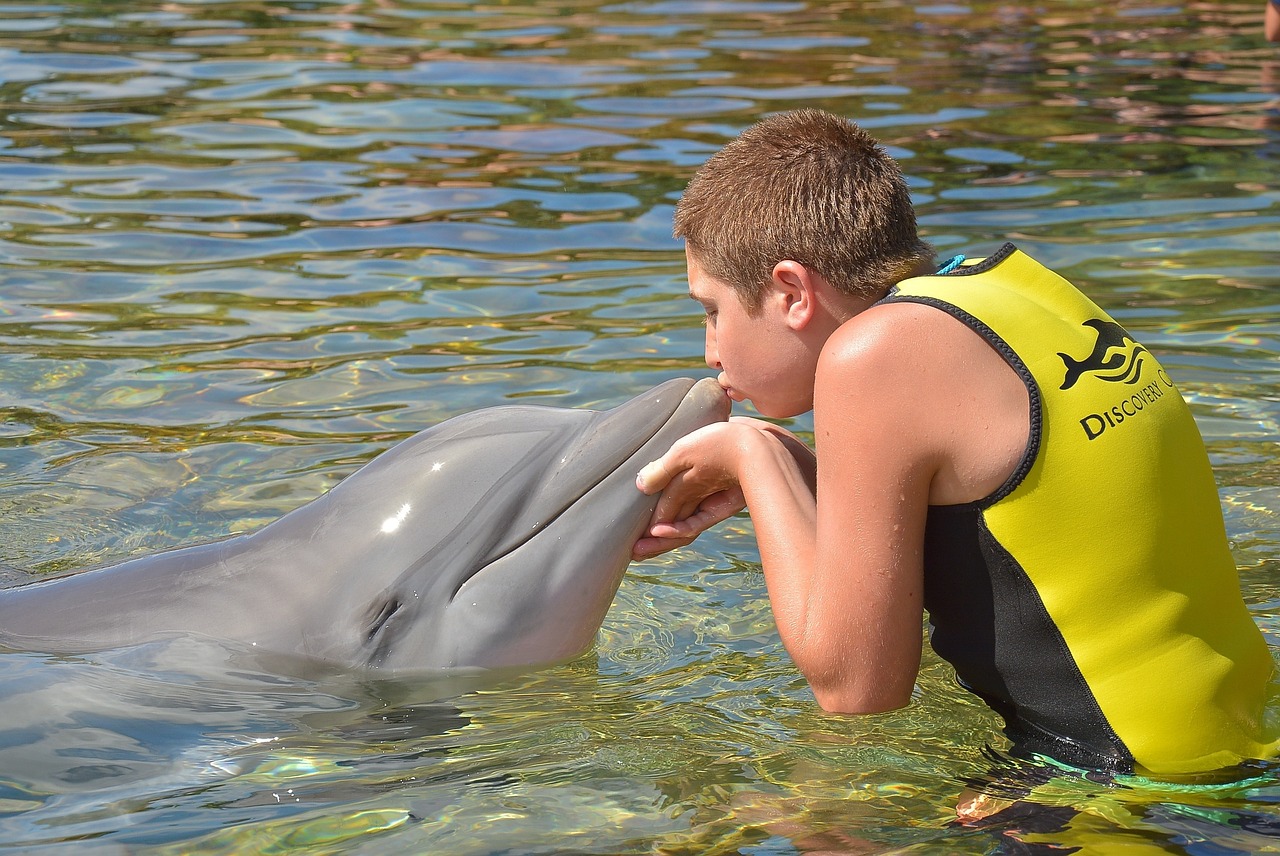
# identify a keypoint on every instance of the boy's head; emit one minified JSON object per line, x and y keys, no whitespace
{"x":806,"y":186}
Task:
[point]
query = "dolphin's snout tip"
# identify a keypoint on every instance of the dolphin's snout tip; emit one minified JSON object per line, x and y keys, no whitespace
{"x":681,"y":404}
{"x":711,"y":395}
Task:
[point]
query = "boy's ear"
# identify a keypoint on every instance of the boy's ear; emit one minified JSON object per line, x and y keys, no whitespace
{"x":794,"y":289}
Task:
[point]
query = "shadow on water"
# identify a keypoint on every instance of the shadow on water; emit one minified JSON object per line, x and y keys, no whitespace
{"x":247,"y":247}
{"x":87,"y":742}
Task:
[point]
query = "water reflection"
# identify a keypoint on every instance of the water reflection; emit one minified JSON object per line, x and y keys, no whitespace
{"x":245,"y":248}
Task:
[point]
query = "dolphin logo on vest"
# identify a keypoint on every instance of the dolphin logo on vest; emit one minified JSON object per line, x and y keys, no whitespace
{"x":1110,"y":360}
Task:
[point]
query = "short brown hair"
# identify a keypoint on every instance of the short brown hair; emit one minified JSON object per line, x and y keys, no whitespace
{"x":806,"y":186}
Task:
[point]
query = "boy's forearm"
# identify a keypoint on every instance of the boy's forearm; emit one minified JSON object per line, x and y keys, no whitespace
{"x":783,"y":507}
{"x":803,"y":455}
{"x":853,"y":665}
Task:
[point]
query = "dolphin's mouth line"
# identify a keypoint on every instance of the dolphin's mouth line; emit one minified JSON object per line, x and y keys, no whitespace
{"x":390,"y":608}
{"x":376,"y":636}
{"x":542,"y":525}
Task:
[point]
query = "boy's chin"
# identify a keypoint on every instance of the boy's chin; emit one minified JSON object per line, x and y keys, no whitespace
{"x":773,"y":410}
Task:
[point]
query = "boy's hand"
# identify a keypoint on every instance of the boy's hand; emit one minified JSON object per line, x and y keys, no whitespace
{"x":698,"y":478}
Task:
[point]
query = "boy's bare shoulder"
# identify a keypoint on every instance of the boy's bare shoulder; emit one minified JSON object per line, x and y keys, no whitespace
{"x":947,"y":399}
{"x":898,"y":336}
{"x":891,"y":363}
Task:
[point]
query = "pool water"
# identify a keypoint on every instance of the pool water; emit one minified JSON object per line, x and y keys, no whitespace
{"x":248,"y":246}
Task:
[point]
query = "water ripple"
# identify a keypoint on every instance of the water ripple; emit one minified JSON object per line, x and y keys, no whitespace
{"x":247,"y":247}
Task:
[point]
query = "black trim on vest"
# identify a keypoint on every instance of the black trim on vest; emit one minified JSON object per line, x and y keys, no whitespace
{"x":1035,"y":401}
{"x":986,"y":264}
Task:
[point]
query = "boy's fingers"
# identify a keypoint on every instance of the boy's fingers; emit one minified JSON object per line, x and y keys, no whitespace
{"x":669,"y":509}
{"x":687,"y":528}
{"x":722,"y":506}
{"x":676,"y":502}
{"x":656,"y":475}
{"x":653,"y":477}
{"x":693,"y":518}
{"x":647,"y":548}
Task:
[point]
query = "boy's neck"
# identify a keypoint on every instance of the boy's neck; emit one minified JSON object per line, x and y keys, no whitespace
{"x":923,"y":269}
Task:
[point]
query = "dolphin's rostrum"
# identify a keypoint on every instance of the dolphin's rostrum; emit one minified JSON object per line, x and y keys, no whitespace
{"x":497,"y":538}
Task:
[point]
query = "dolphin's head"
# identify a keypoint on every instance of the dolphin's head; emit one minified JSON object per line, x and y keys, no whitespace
{"x":497,"y":538}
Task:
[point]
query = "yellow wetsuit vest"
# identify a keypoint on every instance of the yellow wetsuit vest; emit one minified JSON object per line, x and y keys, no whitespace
{"x":1093,"y":600}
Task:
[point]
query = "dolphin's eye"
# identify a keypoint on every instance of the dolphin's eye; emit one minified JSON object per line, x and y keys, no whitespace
{"x":390,"y":608}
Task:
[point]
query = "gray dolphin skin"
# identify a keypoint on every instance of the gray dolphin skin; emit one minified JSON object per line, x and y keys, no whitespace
{"x":497,"y":538}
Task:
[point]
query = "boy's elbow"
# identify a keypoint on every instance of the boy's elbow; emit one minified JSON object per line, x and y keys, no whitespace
{"x":854,"y":700}
{"x":855,"y":685}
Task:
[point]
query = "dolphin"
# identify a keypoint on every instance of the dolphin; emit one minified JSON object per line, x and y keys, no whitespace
{"x":494,"y":539}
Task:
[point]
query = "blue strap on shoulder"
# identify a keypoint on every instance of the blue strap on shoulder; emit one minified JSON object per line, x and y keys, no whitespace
{"x":953,"y":263}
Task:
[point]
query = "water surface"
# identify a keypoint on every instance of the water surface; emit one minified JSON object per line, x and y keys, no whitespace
{"x":246,"y":247}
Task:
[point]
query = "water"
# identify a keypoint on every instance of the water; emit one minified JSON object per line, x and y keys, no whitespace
{"x":248,"y":246}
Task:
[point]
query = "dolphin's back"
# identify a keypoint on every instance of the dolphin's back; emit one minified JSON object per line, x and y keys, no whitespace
{"x":253,"y":589}
{"x":112,"y":607}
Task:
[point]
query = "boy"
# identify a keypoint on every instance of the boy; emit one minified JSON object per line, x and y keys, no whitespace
{"x":990,"y":447}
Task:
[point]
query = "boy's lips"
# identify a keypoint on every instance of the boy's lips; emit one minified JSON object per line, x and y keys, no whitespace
{"x":733,"y":394}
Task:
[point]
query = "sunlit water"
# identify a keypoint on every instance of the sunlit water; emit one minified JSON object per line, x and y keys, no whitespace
{"x":247,"y":246}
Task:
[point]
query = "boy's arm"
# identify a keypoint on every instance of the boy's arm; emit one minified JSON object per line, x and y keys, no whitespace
{"x":677,"y":523}
{"x":845,"y":575}
{"x":876,"y":421}
{"x":804,"y":456}
{"x":851,"y":623}
{"x":911,"y":407}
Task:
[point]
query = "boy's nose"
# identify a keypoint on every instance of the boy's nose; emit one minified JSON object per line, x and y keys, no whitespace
{"x":713,"y":355}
